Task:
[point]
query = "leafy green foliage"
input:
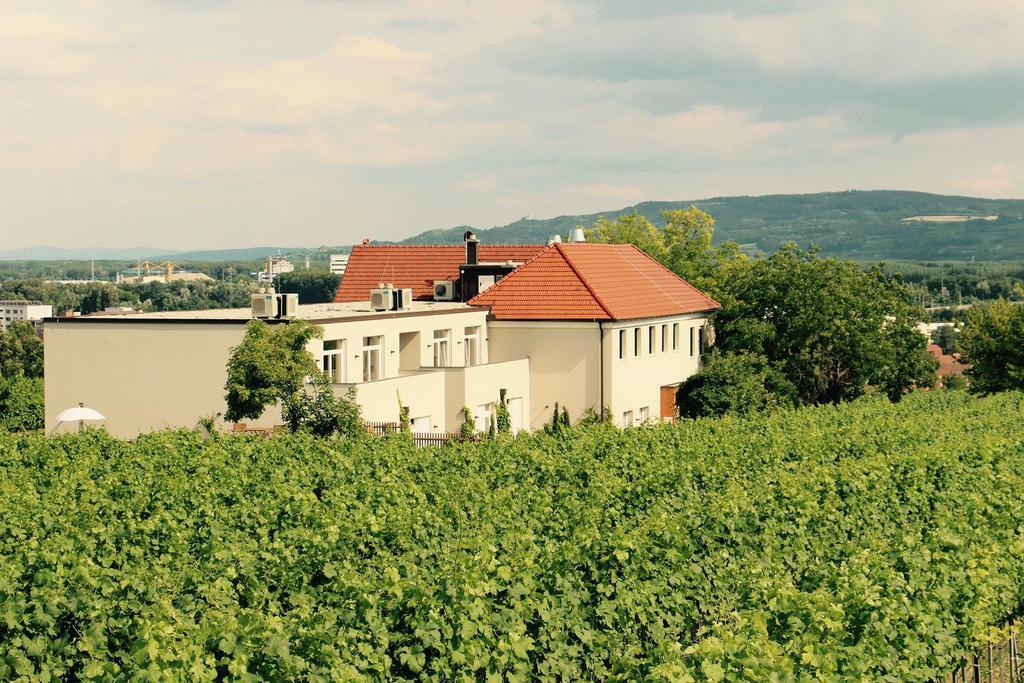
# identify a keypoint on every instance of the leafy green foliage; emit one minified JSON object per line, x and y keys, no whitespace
{"x":559,"y":420}
{"x":954,"y":382}
{"x":269,"y":366}
{"x":865,"y":541}
{"x":502,"y":418}
{"x":21,"y":404}
{"x":993,"y":344}
{"x":21,"y":350}
{"x":468,"y":427}
{"x":831,"y":328}
{"x":312,"y":286}
{"x":683,"y":244}
{"x":734,"y":384}
{"x":319,"y":411}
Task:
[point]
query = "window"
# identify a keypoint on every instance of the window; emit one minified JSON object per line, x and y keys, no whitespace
{"x":675,"y":336}
{"x":645,"y":414}
{"x":636,"y":342}
{"x":664,"y":338}
{"x":627,"y":418}
{"x":373,"y":349}
{"x":692,"y":333}
{"x":622,"y":344}
{"x":700,"y":340}
{"x":442,"y":348}
{"x":472,"y":346}
{"x":333,"y":364}
{"x":650,"y":340}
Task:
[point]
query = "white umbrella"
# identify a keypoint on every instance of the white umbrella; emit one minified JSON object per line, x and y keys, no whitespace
{"x":79,"y":414}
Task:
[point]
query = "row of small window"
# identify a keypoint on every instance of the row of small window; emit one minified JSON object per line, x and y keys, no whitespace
{"x":334,"y":358}
{"x":643,"y":415}
{"x":659,"y":338}
{"x":442,"y":347}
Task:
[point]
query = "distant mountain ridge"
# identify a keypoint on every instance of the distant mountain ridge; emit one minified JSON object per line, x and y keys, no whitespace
{"x":864,"y":225}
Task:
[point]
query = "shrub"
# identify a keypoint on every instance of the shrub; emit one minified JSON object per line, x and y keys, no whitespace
{"x":734,"y":384}
{"x":21,"y":404}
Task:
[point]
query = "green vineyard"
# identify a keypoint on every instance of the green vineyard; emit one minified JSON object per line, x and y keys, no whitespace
{"x":867,"y":541}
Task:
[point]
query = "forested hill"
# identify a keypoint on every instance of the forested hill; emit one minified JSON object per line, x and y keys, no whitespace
{"x":860,"y":225}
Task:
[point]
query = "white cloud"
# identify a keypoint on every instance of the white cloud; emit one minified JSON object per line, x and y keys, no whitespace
{"x":306,"y":118}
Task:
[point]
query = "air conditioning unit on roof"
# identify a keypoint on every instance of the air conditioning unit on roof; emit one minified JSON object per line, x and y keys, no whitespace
{"x":444,"y":290}
{"x":264,"y":305}
{"x":382,"y":298}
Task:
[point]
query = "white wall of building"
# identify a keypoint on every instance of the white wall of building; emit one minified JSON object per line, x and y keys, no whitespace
{"x":32,"y":311}
{"x":635,"y":374}
{"x":565,"y":364}
{"x":149,"y":375}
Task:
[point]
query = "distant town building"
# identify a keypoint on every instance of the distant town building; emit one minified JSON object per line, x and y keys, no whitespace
{"x":275,"y":266}
{"x":32,"y":311}
{"x":339,"y":262}
{"x":166,"y":272}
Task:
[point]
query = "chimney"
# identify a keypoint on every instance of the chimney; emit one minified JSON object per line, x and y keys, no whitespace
{"x":577,"y":235}
{"x":472,"y":245}
{"x":554,"y":239}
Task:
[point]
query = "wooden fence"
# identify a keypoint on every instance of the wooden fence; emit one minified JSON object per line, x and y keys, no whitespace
{"x":419,"y":438}
{"x":994,"y":663}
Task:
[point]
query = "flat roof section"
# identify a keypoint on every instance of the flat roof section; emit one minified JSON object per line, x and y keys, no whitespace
{"x":318,"y":313}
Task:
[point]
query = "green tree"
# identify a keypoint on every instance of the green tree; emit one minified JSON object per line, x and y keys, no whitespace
{"x":830,"y":327}
{"x":269,"y":366}
{"x":312,"y":286}
{"x":630,"y":228}
{"x":993,"y":344}
{"x":21,"y":403}
{"x":468,"y":427}
{"x":734,"y":384}
{"x":503,"y":418}
{"x":319,"y":411}
{"x":687,"y":238}
{"x":21,"y":350}
{"x":683,"y":245}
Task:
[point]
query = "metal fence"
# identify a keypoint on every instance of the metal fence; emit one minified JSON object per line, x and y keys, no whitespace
{"x":994,"y":663}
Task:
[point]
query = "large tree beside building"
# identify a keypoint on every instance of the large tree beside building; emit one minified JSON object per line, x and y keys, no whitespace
{"x":21,"y":350}
{"x":831,"y":328}
{"x":269,"y":367}
{"x":683,"y":245}
{"x":272,"y":366}
{"x":993,"y":344}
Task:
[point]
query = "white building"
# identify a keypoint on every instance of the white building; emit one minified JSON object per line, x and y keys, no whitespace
{"x":338,"y":263}
{"x":275,"y":266}
{"x":33,"y":311}
{"x":591,"y":327}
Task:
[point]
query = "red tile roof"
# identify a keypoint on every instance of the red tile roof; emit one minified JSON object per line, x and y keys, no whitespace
{"x":579,"y":281}
{"x":948,"y":365}
{"x":417,"y":266}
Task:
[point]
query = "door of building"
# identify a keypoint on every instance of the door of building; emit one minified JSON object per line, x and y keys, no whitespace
{"x":669,"y":411}
{"x":515,"y":413}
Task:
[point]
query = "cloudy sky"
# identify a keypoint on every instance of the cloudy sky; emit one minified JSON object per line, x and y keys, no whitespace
{"x":217,"y":123}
